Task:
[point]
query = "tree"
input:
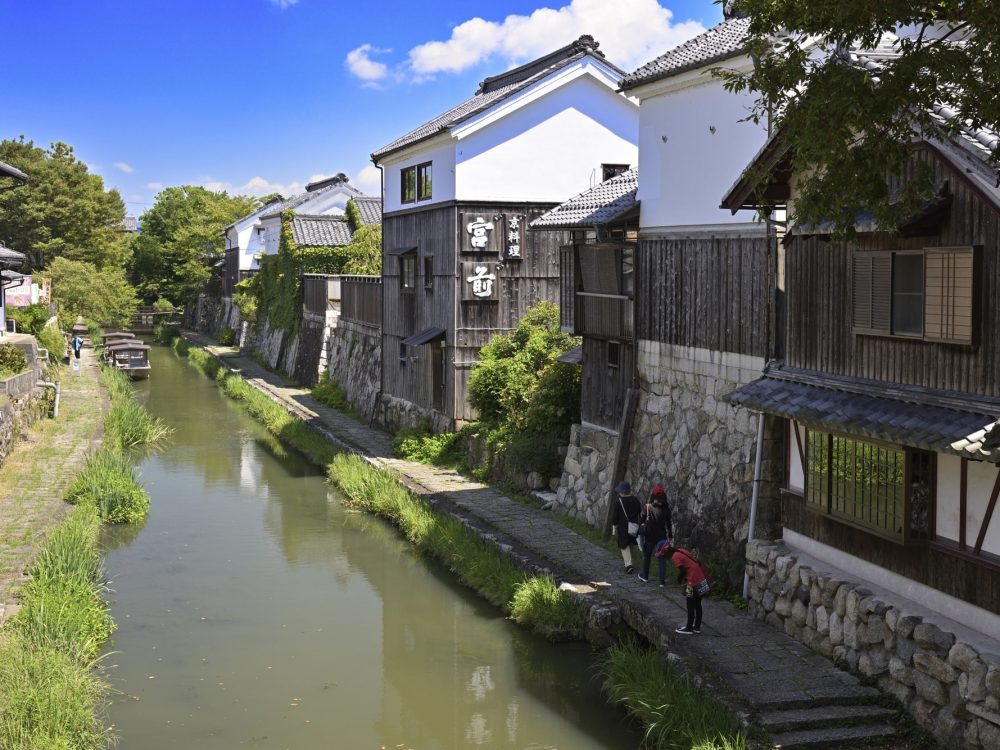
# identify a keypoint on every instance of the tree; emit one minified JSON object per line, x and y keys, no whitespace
{"x":180,"y":240}
{"x":62,"y":211}
{"x":79,"y":288}
{"x":848,"y":120}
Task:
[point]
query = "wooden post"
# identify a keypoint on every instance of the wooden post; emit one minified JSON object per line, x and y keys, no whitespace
{"x":621,"y":452}
{"x":963,"y":502}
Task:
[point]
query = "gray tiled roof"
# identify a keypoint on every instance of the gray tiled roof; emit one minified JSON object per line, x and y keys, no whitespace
{"x":292,"y":203}
{"x":940,"y":421}
{"x":370,"y":208}
{"x":597,"y":206}
{"x":321,"y":231}
{"x":273,"y":202}
{"x":715,"y":45}
{"x":11,"y":257}
{"x":496,"y":89}
{"x":6,"y":170}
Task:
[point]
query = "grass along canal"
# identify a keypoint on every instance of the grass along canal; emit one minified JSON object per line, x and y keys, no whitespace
{"x":254,"y":609}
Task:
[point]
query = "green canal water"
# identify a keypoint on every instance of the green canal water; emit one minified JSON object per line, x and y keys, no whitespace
{"x":255,"y":611}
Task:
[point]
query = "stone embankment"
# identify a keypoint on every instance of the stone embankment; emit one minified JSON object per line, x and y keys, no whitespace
{"x":800,"y":697}
{"x":948,"y":681}
{"x":35,"y":476}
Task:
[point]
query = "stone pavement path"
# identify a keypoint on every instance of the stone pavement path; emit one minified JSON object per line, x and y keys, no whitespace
{"x":37,"y":474}
{"x":800,"y":696}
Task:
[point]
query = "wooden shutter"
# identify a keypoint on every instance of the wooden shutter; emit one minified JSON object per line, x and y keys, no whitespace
{"x":948,"y":294}
{"x":872,"y":290}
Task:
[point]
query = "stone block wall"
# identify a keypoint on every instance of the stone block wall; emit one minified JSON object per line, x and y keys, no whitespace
{"x":588,"y":471}
{"x":702,"y":449}
{"x":951,"y":688}
{"x":354,"y":360}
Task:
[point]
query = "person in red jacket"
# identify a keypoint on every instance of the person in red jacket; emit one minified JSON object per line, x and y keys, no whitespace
{"x":695,"y":580}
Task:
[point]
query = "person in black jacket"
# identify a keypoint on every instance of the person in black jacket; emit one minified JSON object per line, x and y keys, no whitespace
{"x":627,"y":511}
{"x":660,"y":494}
{"x":656,"y":519}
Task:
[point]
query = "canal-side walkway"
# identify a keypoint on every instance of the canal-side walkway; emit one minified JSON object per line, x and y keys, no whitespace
{"x":796,"y":694}
{"x":35,"y":477}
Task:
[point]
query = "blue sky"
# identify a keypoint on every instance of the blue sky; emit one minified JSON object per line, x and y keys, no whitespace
{"x":257,"y":95}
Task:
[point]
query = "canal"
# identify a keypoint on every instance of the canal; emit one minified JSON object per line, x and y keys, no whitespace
{"x":254,"y":610}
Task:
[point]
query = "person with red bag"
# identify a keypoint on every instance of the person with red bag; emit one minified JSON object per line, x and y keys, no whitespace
{"x":695,"y":580}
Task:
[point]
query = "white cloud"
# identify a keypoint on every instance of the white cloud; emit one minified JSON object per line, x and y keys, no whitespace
{"x":368,"y":180}
{"x":630,"y":33}
{"x":256,"y":185}
{"x":284,"y":3}
{"x":360,"y":63}
{"x":126,"y":168}
{"x":154,"y":186}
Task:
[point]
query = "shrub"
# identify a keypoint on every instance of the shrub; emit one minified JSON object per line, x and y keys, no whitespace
{"x":51,"y":339}
{"x":444,"y":449}
{"x":227,"y":337}
{"x":165,"y":333}
{"x":331,"y":393}
{"x":163,"y":305}
{"x":12,"y":360}
{"x":110,"y":484}
{"x":30,"y":319}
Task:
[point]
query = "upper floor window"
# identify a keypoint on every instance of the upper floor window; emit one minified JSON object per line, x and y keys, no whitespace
{"x":612,"y":170}
{"x":429,"y":272}
{"x":924,"y":294}
{"x":415,"y":183}
{"x":408,"y":272}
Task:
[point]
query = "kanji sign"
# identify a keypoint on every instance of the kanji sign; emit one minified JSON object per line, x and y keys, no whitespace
{"x":514,"y":237}
{"x":479,"y":233}
{"x":479,"y":282}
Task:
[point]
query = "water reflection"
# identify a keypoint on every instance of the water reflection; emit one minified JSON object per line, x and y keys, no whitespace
{"x":255,"y":611}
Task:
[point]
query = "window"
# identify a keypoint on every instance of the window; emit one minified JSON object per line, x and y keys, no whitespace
{"x":924,"y":294}
{"x":424,"y":181}
{"x":408,"y":185}
{"x":415,"y":183}
{"x":408,"y":272}
{"x":860,"y":483}
{"x":614,"y":354}
{"x":402,"y":352}
{"x":612,"y":170}
{"x":429,"y":272}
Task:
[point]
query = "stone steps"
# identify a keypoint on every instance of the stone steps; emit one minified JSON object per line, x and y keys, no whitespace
{"x":865,"y":735}
{"x":796,"y":719}
{"x":835,"y":695}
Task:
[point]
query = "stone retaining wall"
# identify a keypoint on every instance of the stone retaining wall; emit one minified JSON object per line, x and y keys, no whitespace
{"x":354,"y":360}
{"x":701,"y":449}
{"x":588,"y":472}
{"x":951,"y":688}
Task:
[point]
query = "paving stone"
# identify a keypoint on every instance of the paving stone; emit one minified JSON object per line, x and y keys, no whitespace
{"x":807,"y":718}
{"x":830,"y":737}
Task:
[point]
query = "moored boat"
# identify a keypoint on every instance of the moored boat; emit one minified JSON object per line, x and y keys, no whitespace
{"x":131,"y":356}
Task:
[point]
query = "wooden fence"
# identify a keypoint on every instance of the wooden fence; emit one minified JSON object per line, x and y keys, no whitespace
{"x":361,"y":299}
{"x":320,"y":291}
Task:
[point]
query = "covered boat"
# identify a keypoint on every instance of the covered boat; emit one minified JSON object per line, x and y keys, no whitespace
{"x":130,"y":356}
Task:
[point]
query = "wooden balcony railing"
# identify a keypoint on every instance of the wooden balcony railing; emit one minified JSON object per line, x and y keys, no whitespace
{"x":361,"y":299}
{"x":603,"y":316}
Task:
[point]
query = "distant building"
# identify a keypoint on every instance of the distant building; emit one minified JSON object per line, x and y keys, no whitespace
{"x":131,"y":224}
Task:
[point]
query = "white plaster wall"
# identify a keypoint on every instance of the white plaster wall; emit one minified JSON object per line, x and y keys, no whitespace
{"x":981,"y":478}
{"x":549,"y":148}
{"x":441,"y":153}
{"x":272,"y":234}
{"x":327,"y":203}
{"x":682,"y":180}
{"x":796,"y":472}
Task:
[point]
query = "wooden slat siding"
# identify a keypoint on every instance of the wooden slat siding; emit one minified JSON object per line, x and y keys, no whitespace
{"x":470,"y":325}
{"x":314,"y":293}
{"x":604,"y":316}
{"x":567,"y":286}
{"x":704,"y":292}
{"x":819,"y":304}
{"x":604,"y":388}
{"x":960,"y":576}
{"x":361,"y":299}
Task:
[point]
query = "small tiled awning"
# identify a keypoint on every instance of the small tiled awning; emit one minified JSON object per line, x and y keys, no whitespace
{"x":944,"y":422}
{"x":402,"y":250}
{"x":573,"y":357}
{"x":11,"y":257}
{"x":426,"y":336}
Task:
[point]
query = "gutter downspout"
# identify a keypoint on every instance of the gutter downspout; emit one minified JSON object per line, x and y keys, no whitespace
{"x":755,"y":496}
{"x":381,"y":331}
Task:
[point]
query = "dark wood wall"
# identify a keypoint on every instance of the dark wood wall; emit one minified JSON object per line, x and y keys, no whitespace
{"x":819,"y":303}
{"x":706,"y":292}
{"x":469,"y":325}
{"x":604,"y":387}
{"x":960,"y":576}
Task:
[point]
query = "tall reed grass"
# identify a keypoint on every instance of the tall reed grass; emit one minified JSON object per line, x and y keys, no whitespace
{"x":676,"y":714}
{"x":50,"y":694}
{"x":109,"y":483}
